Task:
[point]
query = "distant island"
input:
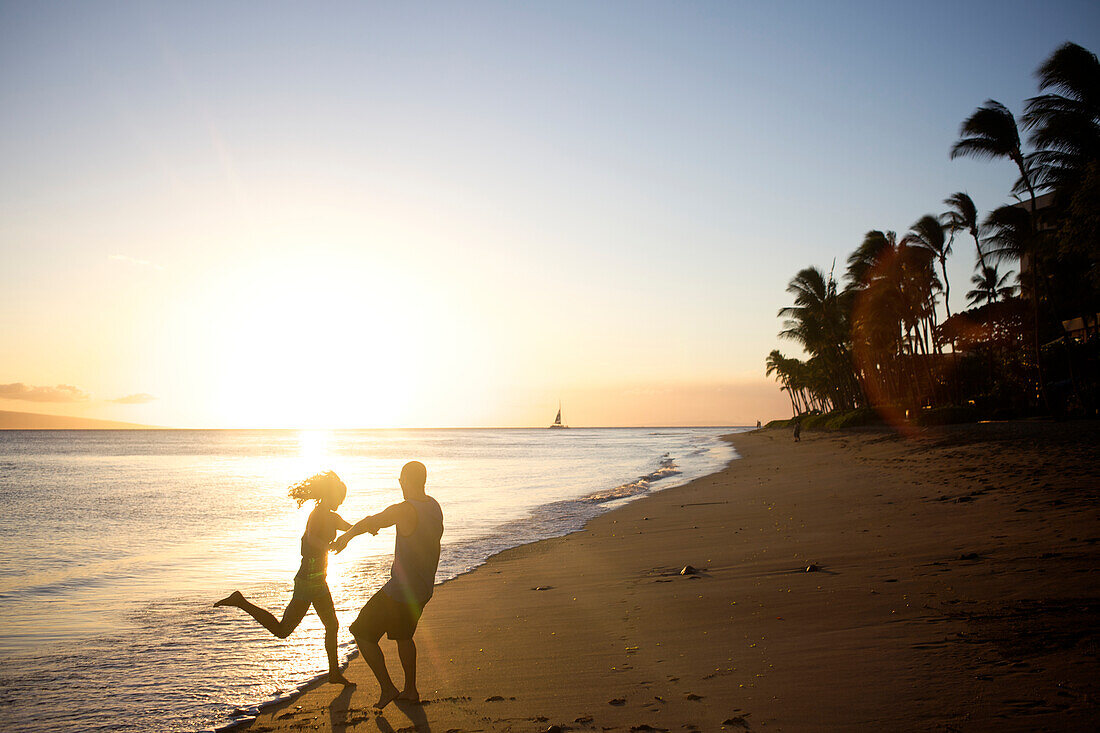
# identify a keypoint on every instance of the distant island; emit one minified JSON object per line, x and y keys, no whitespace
{"x":35,"y":421}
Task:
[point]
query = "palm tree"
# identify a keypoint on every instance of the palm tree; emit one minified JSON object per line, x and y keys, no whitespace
{"x":963,"y":215}
{"x":818,"y":321}
{"x":929,"y":234}
{"x":1065,"y":126}
{"x":1009,"y":236}
{"x":991,"y":133}
{"x":989,"y":286}
{"x":779,"y":365}
{"x":876,"y":247}
{"x":892,"y":287}
{"x":1012,"y":236}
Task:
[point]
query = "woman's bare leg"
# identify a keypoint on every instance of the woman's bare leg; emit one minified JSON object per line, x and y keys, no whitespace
{"x":292,"y":616}
{"x":326,"y":611}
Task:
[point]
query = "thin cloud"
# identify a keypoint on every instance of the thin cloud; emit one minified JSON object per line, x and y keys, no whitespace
{"x":135,"y":261}
{"x":60,"y":393}
{"x":140,"y":398}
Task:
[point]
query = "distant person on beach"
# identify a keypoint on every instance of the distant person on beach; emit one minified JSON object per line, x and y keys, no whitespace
{"x":310,"y":584}
{"x":798,"y":431}
{"x":396,"y":608}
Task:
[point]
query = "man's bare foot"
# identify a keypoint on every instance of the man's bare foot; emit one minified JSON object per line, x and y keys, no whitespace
{"x":409,"y":695}
{"x":338,"y":678}
{"x":233,"y":599}
{"x":386,"y":696}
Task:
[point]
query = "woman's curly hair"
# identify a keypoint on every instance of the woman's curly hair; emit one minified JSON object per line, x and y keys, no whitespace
{"x":317,"y":487}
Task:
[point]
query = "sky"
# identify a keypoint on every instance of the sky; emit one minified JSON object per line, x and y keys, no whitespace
{"x":457,"y":214}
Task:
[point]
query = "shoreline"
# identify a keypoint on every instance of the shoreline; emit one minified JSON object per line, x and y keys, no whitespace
{"x":249,"y":718}
{"x":916,"y":545}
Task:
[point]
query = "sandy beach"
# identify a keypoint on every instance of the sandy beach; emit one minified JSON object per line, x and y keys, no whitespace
{"x":954,"y":584}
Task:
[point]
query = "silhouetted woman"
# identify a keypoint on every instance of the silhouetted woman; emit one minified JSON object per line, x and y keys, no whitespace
{"x":310,"y":584}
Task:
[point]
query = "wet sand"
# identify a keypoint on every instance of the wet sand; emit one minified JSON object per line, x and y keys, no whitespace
{"x":954,"y":585}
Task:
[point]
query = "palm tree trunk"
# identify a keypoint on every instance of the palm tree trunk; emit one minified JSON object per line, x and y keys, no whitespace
{"x":1035,"y":286}
{"x":978,"y":244}
{"x":946,"y":286}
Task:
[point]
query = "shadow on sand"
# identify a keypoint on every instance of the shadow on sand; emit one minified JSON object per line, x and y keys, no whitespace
{"x":341,"y":714}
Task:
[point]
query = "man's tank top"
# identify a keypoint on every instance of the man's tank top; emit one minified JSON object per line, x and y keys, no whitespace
{"x":416,"y":556}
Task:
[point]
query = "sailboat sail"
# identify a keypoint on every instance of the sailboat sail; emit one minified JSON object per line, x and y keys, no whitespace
{"x":557,"y":420}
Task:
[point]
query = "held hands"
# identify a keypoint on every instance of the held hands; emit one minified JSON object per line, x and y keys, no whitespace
{"x":341,"y":542}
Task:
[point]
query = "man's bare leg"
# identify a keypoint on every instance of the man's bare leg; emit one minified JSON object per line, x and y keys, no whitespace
{"x":372,"y":655}
{"x":406,"y":651}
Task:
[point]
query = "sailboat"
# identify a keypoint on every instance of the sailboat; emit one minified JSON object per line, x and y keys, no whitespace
{"x":557,"y":420}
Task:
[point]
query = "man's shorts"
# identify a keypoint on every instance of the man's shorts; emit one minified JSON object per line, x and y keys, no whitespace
{"x":384,"y":615}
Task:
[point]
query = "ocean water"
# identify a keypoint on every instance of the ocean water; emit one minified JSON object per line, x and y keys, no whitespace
{"x":114,"y":545}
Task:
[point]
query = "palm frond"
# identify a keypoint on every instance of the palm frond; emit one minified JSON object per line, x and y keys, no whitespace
{"x":979,"y":149}
{"x":1074,"y":72}
{"x":990,"y":132}
{"x":963,"y":213}
{"x":928,"y":233}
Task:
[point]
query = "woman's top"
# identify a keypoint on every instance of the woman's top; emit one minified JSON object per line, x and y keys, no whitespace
{"x":315,"y":553}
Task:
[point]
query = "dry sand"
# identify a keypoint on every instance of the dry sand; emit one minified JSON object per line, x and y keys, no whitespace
{"x":958,"y":589}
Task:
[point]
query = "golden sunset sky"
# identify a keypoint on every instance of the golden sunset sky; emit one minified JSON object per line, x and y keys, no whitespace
{"x":232,"y":215}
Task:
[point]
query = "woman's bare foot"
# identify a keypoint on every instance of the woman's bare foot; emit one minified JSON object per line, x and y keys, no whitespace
{"x":386,"y":696}
{"x":338,"y":678}
{"x":409,"y":695}
{"x":233,"y":599}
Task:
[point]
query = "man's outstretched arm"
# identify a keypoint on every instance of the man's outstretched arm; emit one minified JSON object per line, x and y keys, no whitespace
{"x":388,"y":517}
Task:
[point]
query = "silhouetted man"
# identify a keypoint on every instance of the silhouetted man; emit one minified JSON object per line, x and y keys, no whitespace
{"x":395,"y":609}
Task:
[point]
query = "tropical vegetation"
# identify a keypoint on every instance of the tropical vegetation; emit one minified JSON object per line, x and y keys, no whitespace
{"x":873,"y":337}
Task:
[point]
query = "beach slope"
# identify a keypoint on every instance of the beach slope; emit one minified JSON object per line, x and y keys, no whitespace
{"x":944,"y":580}
{"x":37,"y":421}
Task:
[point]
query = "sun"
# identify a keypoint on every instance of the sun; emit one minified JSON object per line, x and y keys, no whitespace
{"x":290,"y":349}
